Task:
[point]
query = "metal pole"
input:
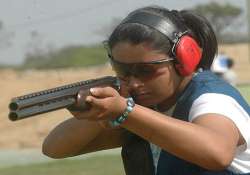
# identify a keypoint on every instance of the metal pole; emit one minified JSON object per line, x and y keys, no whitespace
{"x":248,"y":23}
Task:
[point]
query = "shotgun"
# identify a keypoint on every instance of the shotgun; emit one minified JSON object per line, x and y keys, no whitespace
{"x":70,"y":96}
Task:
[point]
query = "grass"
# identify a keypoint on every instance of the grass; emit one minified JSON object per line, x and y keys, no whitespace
{"x":96,"y":165}
{"x":245,"y":91}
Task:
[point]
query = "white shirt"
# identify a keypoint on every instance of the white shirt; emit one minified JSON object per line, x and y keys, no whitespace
{"x":230,"y":108}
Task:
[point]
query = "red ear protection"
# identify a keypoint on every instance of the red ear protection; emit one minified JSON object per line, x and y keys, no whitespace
{"x":188,"y":55}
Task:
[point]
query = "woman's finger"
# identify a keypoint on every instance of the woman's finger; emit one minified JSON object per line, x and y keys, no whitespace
{"x":95,"y":102}
{"x":103,"y":92}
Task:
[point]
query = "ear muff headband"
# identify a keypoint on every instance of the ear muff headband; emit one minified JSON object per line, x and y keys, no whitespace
{"x":185,"y":49}
{"x":163,"y":25}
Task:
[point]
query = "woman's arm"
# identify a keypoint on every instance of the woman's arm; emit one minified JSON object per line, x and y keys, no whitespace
{"x":209,"y":142}
{"x":73,"y":137}
{"x":87,"y":131}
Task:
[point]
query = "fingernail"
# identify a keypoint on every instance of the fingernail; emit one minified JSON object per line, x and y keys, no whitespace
{"x":92,"y":90}
{"x":88,"y":99}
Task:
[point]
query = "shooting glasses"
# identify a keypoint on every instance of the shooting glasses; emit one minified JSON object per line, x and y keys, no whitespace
{"x":142,"y":70}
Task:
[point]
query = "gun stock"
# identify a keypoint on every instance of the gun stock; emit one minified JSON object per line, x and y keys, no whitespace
{"x":71,"y":96}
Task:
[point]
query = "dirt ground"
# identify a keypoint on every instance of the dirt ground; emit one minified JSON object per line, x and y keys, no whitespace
{"x":29,"y":133}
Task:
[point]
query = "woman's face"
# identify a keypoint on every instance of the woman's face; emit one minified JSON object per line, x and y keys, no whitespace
{"x":153,"y":89}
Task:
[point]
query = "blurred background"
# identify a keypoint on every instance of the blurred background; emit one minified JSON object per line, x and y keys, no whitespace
{"x":44,"y":44}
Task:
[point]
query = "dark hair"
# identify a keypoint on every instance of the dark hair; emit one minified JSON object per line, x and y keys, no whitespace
{"x":136,"y":33}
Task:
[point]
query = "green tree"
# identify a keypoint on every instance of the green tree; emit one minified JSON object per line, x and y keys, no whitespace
{"x":219,"y":15}
{"x":70,"y":56}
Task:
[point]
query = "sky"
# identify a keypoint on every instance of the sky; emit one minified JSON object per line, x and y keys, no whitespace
{"x":58,"y":23}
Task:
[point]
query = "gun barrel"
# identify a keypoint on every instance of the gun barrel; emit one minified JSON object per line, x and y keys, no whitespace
{"x":41,"y":97}
{"x":54,"y":93}
{"x":57,"y":98}
{"x":40,"y":108}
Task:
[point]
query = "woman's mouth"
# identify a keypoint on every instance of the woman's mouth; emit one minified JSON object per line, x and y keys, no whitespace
{"x":141,"y":97}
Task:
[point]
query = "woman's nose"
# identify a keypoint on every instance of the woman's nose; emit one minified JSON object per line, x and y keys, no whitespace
{"x":134,"y":82}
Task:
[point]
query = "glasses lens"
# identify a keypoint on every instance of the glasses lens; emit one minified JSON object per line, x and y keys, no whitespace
{"x":144,"y":70}
{"x":122,"y":70}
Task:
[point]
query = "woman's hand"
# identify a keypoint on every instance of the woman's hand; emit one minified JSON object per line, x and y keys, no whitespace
{"x":106,"y":104}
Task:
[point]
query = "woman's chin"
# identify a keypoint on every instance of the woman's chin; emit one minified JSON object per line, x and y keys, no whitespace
{"x":146,"y":103}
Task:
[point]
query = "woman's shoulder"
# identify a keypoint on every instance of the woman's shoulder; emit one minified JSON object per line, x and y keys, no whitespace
{"x":206,"y":82}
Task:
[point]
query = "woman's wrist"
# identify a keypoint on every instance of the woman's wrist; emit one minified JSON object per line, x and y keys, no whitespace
{"x":120,"y":119}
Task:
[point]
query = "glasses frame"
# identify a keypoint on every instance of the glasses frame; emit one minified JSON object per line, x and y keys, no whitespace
{"x":161,"y":61}
{"x":131,"y":67}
